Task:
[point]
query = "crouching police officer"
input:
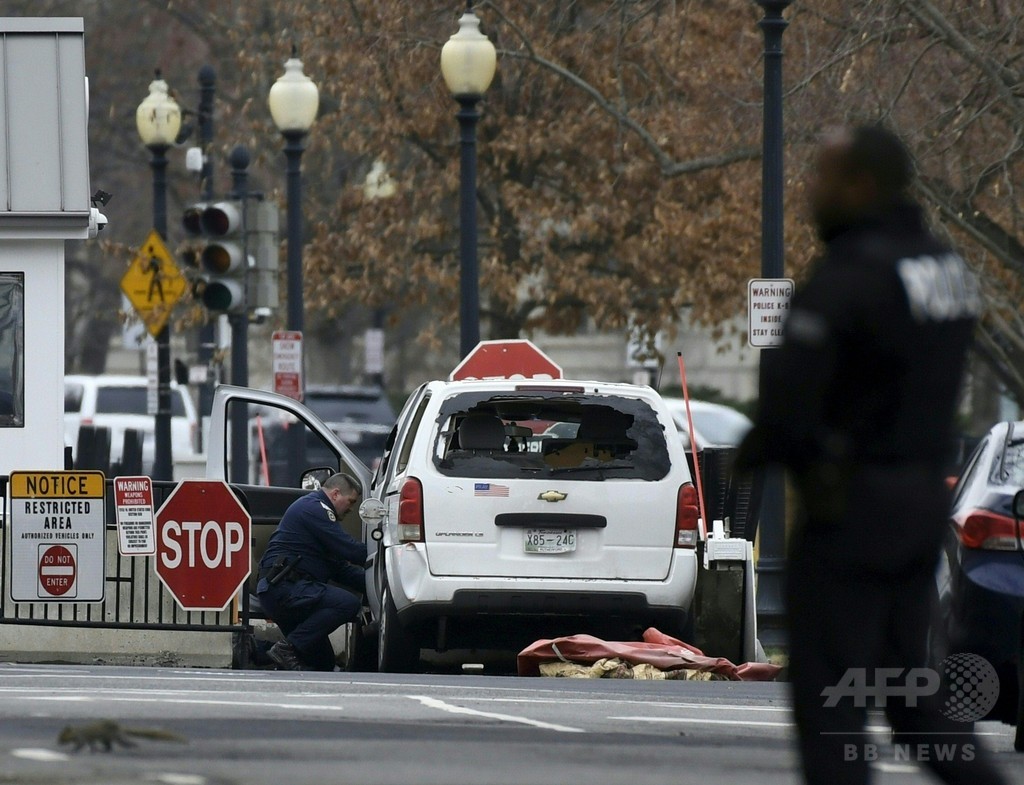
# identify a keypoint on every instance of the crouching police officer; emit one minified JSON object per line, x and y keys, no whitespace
{"x":309,"y":549}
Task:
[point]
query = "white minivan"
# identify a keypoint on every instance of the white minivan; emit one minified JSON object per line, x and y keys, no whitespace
{"x":521,"y":509}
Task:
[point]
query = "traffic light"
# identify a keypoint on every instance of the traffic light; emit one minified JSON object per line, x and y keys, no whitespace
{"x":224,"y":258}
{"x":265,"y":250}
{"x":221,"y":257}
{"x":235,"y":253}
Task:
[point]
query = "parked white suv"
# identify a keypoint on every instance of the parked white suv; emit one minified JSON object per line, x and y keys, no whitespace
{"x":119,"y":402}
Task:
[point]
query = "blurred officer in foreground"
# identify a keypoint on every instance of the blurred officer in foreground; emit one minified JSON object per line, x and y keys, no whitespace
{"x":858,"y":403}
{"x":308,"y":549}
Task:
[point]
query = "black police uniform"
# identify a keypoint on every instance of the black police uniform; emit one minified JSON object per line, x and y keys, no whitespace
{"x":302,"y":603}
{"x":859,"y":403}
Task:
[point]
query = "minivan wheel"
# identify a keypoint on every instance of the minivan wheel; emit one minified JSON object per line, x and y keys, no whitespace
{"x":397,"y":650}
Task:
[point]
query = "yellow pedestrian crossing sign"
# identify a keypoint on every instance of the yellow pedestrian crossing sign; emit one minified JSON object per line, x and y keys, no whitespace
{"x":153,"y":283}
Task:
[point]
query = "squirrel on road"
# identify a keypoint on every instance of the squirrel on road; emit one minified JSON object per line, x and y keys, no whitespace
{"x":106,"y":733}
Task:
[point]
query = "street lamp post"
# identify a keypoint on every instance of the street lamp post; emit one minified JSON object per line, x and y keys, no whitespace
{"x":294,"y":100}
{"x":771,"y":559}
{"x":468,"y":62}
{"x":158,"y":120}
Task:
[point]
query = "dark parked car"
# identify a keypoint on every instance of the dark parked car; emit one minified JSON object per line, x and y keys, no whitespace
{"x":361,"y":416}
{"x":982,"y":593}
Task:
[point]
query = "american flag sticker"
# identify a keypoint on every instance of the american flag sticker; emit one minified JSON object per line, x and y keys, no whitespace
{"x":489,"y":489}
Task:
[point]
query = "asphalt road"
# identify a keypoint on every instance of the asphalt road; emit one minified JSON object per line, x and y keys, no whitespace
{"x":273,"y":728}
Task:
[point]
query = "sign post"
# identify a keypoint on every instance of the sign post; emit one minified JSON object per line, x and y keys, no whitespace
{"x":58,"y":537}
{"x":203,"y":544}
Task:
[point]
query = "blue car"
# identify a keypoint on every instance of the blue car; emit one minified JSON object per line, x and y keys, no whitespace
{"x":981,"y":586}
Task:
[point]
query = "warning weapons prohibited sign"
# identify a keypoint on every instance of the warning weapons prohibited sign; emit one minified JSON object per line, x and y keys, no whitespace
{"x":133,"y":506}
{"x":58,"y":540}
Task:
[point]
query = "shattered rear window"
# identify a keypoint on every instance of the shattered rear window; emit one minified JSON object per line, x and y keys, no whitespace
{"x":540,"y":434}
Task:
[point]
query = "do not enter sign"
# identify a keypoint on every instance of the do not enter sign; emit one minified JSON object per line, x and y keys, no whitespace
{"x":202,"y":550}
{"x":57,"y":570}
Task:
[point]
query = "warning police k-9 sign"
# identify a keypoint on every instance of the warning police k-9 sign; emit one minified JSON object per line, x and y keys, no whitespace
{"x":767,"y":309}
{"x":58,"y":537}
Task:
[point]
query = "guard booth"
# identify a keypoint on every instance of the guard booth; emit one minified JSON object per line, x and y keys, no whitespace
{"x":44,"y":201}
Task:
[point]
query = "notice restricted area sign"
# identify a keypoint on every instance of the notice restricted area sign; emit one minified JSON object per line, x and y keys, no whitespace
{"x":58,"y":542}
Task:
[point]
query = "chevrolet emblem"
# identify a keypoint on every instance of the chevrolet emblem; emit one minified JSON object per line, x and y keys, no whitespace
{"x":552,"y":496}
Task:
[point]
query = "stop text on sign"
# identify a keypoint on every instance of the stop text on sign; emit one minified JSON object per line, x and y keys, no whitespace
{"x":186,"y":540}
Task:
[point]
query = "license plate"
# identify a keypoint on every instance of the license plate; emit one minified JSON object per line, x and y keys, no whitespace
{"x":549,"y":540}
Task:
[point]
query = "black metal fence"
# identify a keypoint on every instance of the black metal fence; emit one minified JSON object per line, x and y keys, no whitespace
{"x":736,"y":499}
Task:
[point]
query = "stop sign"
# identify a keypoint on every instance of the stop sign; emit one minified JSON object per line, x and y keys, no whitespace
{"x":202,"y":548}
{"x":506,"y":360}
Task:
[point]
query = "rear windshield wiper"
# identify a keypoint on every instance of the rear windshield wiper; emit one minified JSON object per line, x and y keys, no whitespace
{"x":599,"y":471}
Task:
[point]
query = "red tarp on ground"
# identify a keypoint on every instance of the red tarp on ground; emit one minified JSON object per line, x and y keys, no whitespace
{"x":658,"y":649}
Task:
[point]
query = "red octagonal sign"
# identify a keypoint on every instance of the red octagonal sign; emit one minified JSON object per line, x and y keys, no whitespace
{"x":506,"y":359}
{"x":202,"y":548}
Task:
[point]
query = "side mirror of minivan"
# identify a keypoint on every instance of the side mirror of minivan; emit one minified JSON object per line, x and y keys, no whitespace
{"x":312,"y":479}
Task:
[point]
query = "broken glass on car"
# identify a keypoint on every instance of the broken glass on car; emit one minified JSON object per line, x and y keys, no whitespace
{"x":535,"y":434}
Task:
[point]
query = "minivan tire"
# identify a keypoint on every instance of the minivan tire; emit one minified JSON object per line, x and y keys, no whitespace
{"x":397,"y":650}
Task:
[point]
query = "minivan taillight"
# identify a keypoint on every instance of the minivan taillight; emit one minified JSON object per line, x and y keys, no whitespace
{"x":989,"y":531}
{"x":687,"y":513}
{"x":410,"y":511}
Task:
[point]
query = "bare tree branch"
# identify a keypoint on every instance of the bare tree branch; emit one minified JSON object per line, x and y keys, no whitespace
{"x":1001,"y":78}
{"x":668,"y":166}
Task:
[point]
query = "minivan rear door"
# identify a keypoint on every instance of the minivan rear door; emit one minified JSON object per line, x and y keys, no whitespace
{"x":558,"y":496}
